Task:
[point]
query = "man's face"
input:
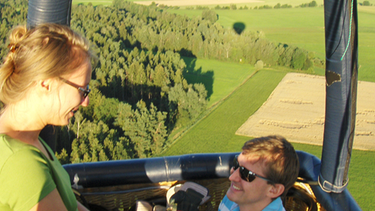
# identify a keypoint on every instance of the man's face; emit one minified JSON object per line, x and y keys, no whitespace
{"x":249,"y":194}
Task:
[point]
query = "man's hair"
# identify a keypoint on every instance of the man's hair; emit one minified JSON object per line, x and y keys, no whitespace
{"x":279,"y":157}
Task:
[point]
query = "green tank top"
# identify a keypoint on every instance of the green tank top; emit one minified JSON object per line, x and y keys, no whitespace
{"x":27,"y":176}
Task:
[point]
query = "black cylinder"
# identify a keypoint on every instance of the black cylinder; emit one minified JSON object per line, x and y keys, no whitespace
{"x":47,"y":11}
{"x":150,"y":170}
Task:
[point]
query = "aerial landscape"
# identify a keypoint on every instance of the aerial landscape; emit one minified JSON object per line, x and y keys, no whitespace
{"x":178,"y":77}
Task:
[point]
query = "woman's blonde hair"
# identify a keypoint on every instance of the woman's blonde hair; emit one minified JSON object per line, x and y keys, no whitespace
{"x":45,"y":51}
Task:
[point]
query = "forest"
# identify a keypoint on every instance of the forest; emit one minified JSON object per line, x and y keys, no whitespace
{"x":139,"y":93}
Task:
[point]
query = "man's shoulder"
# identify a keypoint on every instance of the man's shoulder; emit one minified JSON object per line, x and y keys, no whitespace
{"x":228,"y":205}
{"x":275,"y":205}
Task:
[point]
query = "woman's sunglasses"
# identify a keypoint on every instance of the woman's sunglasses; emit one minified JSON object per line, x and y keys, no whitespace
{"x":85,"y":92}
{"x":246,"y":174}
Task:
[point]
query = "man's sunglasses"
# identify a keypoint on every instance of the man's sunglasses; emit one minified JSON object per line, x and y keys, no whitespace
{"x":246,"y":174}
{"x":85,"y":92}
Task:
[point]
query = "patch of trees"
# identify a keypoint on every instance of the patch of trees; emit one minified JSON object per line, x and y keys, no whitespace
{"x":10,"y":12}
{"x":243,"y":8}
{"x":210,"y":15}
{"x":163,"y":6}
{"x":279,"y":6}
{"x":366,"y":3}
{"x":139,"y":93}
{"x":263,"y":7}
{"x":198,"y":7}
{"x":311,"y":4}
{"x":201,"y":37}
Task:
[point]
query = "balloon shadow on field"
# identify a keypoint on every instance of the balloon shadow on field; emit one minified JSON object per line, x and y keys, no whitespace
{"x":239,"y":27}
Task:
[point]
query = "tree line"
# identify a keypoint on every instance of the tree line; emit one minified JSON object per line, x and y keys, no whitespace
{"x":139,"y":93}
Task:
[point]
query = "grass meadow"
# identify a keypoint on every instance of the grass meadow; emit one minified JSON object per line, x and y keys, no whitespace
{"x":93,"y":2}
{"x":236,"y":91}
{"x":216,"y":131}
{"x":219,"y":84}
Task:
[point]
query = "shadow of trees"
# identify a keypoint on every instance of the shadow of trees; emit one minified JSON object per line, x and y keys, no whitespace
{"x":194,"y":74}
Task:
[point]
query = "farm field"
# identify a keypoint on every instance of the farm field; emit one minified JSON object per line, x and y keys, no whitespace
{"x":299,"y":112}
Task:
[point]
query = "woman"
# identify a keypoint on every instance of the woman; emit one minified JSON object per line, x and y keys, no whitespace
{"x":43,"y":80}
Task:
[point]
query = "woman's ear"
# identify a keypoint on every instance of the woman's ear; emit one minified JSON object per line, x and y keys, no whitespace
{"x":46,"y":85}
{"x":276,"y":190}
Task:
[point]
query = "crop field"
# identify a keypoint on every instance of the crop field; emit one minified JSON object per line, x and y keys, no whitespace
{"x":299,"y":113}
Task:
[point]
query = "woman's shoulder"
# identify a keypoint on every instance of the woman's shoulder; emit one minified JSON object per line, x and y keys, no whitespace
{"x":13,"y":150}
{"x":16,"y":158}
{"x":11,"y":145}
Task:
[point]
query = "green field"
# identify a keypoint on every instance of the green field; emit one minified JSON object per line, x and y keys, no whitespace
{"x":218,"y":83}
{"x":94,"y":2}
{"x":302,"y":27}
{"x":215,"y":133}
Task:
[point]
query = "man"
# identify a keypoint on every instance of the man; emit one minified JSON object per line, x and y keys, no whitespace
{"x":261,"y":175}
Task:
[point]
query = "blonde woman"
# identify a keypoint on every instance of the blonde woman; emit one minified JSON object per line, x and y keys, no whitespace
{"x":43,"y":81}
